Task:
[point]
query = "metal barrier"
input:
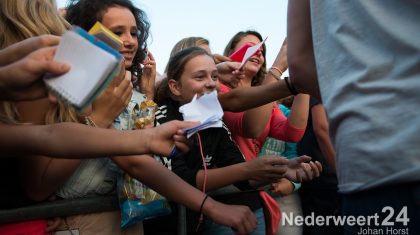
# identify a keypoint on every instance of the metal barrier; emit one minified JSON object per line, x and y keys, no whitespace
{"x":60,"y":208}
{"x":76,"y":206}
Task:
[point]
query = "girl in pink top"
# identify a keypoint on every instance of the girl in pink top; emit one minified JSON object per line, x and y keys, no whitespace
{"x":251,"y":128}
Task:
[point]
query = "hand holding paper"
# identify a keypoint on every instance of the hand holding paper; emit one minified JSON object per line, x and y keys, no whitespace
{"x":250,"y":51}
{"x":206,"y":110}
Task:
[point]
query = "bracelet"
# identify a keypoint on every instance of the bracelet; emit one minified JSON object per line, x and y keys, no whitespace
{"x":277,"y":69}
{"x":271,"y":71}
{"x":202,"y":204}
{"x":275,"y":76}
{"x":290,"y":86}
{"x":89,"y":121}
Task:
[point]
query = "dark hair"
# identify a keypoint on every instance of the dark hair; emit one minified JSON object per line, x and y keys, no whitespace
{"x":229,"y":49}
{"x":176,"y":66}
{"x":85,"y":13}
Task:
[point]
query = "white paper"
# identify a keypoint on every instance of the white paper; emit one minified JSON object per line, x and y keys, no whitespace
{"x":251,"y":51}
{"x":205,"y":109}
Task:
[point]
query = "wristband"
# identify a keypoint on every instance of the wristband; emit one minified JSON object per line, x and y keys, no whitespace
{"x":202,"y":204}
{"x":290,"y":86}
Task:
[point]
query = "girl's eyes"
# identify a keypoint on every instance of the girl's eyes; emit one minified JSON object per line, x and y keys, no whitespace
{"x":132,"y":33}
{"x":215,"y":77}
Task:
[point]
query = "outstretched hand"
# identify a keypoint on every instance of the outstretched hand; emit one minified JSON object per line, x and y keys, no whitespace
{"x":230,"y":73}
{"x":267,"y":169}
{"x":299,"y":171}
{"x":164,"y":137}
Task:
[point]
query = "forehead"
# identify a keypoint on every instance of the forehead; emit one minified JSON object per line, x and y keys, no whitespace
{"x":118,"y":15}
{"x":200,"y":62}
{"x":248,"y":38}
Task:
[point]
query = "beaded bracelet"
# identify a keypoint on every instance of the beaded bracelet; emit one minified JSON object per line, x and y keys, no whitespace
{"x":271,"y":71}
{"x":89,"y":121}
{"x":277,"y":69}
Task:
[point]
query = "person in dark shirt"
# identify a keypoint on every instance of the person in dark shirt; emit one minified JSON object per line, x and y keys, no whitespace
{"x":193,"y":71}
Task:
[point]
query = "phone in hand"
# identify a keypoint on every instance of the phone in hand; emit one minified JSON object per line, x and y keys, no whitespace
{"x":239,"y":54}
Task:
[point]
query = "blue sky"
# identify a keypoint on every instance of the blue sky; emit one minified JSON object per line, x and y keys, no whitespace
{"x":215,"y":20}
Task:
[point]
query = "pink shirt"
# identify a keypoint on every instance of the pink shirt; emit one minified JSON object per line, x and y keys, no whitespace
{"x":277,"y":127}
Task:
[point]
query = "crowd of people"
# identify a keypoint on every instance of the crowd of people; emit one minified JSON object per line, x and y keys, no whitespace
{"x":326,"y":140}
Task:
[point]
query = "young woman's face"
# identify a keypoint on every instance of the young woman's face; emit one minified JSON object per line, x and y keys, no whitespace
{"x":256,"y":61}
{"x":121,"y":21}
{"x":200,"y":76}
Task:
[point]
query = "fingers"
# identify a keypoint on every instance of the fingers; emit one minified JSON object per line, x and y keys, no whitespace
{"x":185,"y":124}
{"x":250,"y":223}
{"x":149,"y":62}
{"x":300,"y":159}
{"x":53,"y":224}
{"x":181,"y":142}
{"x":41,"y":62}
{"x":276,"y":160}
{"x":220,"y":58}
{"x":124,"y":90}
{"x":247,"y":224}
{"x":150,"y":55}
{"x":316,"y":168}
{"x":307,"y":172}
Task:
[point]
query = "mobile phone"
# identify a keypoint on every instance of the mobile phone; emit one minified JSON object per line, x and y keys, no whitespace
{"x":239,"y":54}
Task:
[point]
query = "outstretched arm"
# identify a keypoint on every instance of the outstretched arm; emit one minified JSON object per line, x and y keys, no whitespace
{"x":72,"y":140}
{"x":165,"y":182}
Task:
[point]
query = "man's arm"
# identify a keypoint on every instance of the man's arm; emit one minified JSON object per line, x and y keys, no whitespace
{"x":321,"y":130}
{"x":300,"y":53}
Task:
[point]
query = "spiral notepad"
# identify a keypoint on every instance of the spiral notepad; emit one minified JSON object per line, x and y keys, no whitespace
{"x":93,"y":64}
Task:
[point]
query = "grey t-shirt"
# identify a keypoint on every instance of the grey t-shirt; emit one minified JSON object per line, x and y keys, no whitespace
{"x":368,"y":61}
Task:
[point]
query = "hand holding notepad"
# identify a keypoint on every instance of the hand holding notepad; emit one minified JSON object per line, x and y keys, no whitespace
{"x":93,"y":64}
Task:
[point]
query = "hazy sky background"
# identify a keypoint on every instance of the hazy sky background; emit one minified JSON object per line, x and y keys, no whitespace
{"x":215,"y":20}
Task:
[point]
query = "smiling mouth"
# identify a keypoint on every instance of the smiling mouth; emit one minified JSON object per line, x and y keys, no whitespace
{"x":256,"y":61}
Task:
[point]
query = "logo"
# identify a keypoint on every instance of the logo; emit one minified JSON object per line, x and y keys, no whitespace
{"x":370,"y":224}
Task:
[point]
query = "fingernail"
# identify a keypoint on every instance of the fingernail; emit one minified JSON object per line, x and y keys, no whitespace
{"x":65,"y":67}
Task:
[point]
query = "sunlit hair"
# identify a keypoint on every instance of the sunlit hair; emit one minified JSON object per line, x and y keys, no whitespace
{"x":186,"y":43}
{"x":176,"y":66}
{"x":229,"y":49}
{"x":85,"y":13}
{"x":22,"y":19}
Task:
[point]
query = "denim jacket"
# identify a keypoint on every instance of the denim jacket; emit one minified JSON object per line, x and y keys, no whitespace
{"x":98,"y":176}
